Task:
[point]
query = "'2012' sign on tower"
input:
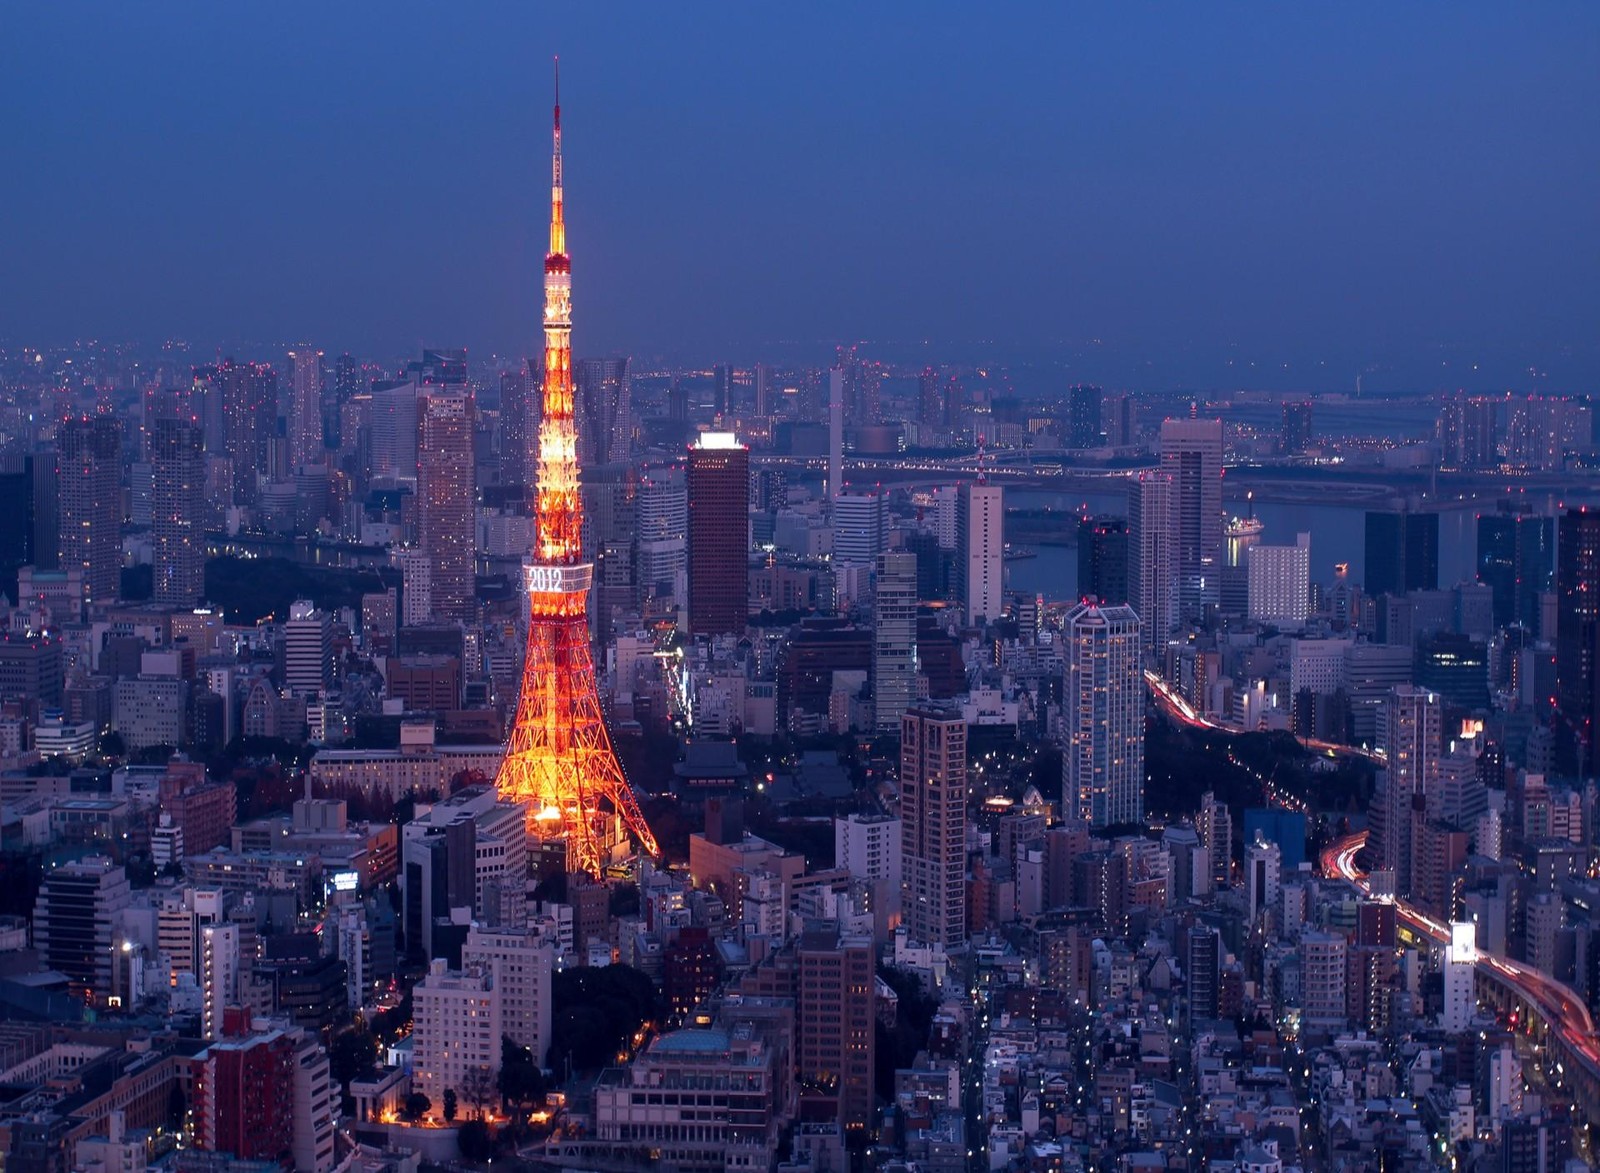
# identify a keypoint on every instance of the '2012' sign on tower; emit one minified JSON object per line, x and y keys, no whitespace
{"x":559,"y":756}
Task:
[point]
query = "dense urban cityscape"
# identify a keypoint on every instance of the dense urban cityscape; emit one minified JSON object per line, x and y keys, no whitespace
{"x":593,"y":763}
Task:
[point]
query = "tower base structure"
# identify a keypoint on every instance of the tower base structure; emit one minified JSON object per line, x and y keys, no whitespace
{"x":559,"y":758}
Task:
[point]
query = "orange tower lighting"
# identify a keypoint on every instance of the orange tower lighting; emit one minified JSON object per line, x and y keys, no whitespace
{"x":559,"y":757}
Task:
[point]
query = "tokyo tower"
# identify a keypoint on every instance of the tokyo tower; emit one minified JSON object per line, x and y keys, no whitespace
{"x":559,"y":757}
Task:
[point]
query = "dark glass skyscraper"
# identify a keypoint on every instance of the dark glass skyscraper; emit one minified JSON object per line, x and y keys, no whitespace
{"x":1103,"y":559}
{"x":1516,"y":560}
{"x":29,"y":522}
{"x":1084,"y":419}
{"x":1296,"y":428}
{"x":1577,"y":640}
{"x":1402,"y":552}
{"x":718,"y":478}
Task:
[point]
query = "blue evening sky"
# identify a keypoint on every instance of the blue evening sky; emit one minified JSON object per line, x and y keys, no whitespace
{"x":1140,"y":192}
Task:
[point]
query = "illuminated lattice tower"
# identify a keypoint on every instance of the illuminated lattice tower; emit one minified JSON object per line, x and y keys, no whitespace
{"x":559,"y":757}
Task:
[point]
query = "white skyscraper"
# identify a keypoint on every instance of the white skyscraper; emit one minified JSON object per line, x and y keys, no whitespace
{"x":416,"y":586}
{"x":663,"y":551}
{"x":980,"y":551}
{"x":860,"y":527}
{"x":521,"y":965}
{"x":307,"y":649}
{"x":219,"y":974}
{"x":1152,"y":575}
{"x":868,"y":846}
{"x":1103,"y":716}
{"x":305,"y":407}
{"x":1460,"y":984}
{"x":456,"y":1031}
{"x":1280,"y":582}
{"x":393,"y":418}
{"x":894,"y":638}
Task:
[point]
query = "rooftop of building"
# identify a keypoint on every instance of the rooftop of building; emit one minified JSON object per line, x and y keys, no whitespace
{"x":698,"y":1040}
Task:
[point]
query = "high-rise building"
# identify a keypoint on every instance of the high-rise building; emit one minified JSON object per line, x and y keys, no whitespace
{"x":249,"y":420}
{"x":307,"y":650}
{"x":1297,"y":429}
{"x":722,"y":388}
{"x":1280,"y":582}
{"x":445,"y":492}
{"x":763,"y":390}
{"x":519,"y":425}
{"x":1152,"y":569}
{"x":835,"y":432}
{"x":1239,"y":536}
{"x":177,"y":513}
{"x":1516,"y":559}
{"x":1468,"y":433}
{"x":520,"y":963}
{"x":1460,"y":979}
{"x":217,"y":969}
{"x":1083,"y":424}
{"x":1119,"y":418}
{"x":91,"y":503}
{"x":894,"y":638}
{"x":980,"y":551}
{"x":605,"y":411}
{"x":868,"y":846}
{"x":930,"y":406}
{"x":305,"y":407}
{"x":835,"y":1010}
{"x":1324,"y":977}
{"x":1203,"y":965}
{"x":75,"y":922}
{"x":1213,"y":823}
{"x":610,"y":495}
{"x":243,"y":1099}
{"x":860,"y":526}
{"x":1402,"y":551}
{"x":30,"y":524}
{"x":456,"y":1039}
{"x":1263,"y":876}
{"x":1103,"y":716}
{"x":1103,"y":559}
{"x":392,"y":426}
{"x":1577,"y":641}
{"x":718,"y":477}
{"x":1411,"y":739}
{"x":933,"y":822}
{"x":661,"y":571}
{"x":1191,"y":453}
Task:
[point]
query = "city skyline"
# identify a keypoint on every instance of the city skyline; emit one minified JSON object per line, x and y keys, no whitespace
{"x":1410,"y":207}
{"x":431,"y":760}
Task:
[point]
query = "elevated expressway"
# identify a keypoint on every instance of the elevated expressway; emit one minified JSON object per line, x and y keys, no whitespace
{"x":1552,"y":1015}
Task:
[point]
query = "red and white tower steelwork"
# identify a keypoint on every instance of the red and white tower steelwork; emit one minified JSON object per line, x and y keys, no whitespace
{"x":559,"y":756}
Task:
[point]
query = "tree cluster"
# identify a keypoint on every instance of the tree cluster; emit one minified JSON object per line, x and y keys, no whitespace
{"x":595,"y":1013}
